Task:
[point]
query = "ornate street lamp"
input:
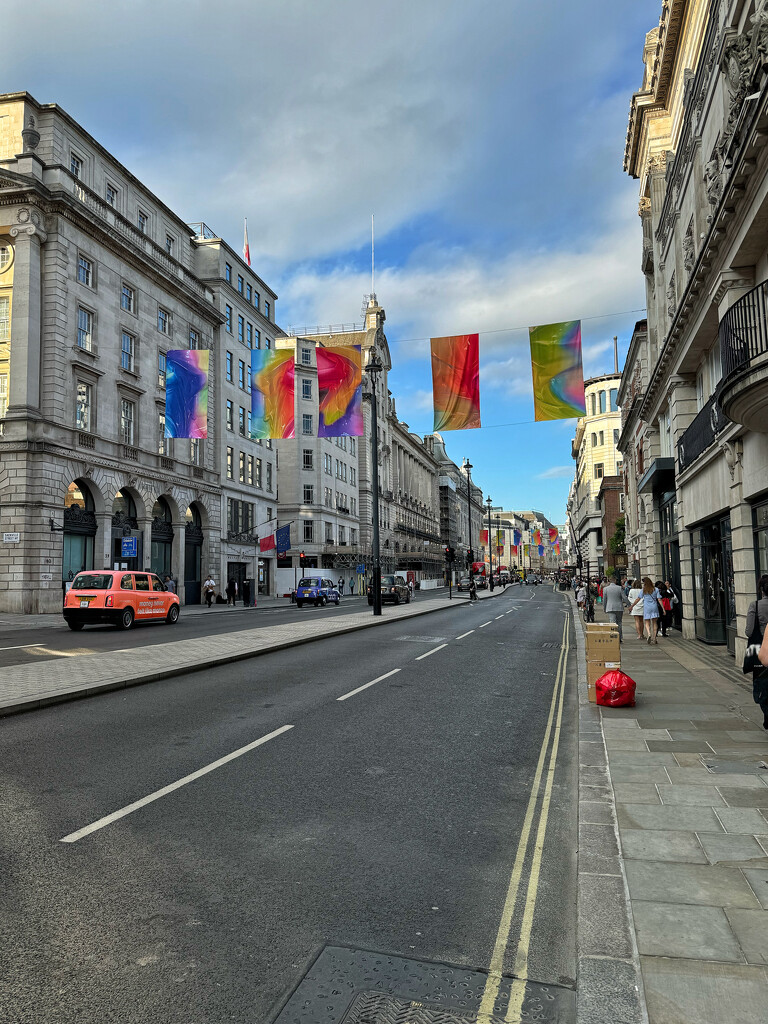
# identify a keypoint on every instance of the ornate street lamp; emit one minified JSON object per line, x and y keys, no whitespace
{"x":467,"y":465}
{"x":489,"y":503}
{"x":374,"y":368}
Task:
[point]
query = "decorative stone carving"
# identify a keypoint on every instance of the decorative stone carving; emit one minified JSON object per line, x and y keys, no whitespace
{"x":30,"y":135}
{"x":657,"y":164}
{"x":644,"y":206}
{"x":689,"y":251}
{"x":28,"y":222}
{"x":732,"y":452}
{"x":759,"y":41}
{"x":671,"y":298}
{"x":713,"y":182}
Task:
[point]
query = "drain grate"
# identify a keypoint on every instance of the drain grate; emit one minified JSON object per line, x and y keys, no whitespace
{"x":358,"y":986}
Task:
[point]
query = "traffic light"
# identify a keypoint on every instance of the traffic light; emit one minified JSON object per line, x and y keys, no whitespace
{"x":450,"y":554}
{"x":301,"y":559}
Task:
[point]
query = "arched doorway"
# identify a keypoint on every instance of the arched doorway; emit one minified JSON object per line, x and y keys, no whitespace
{"x":193,"y":555}
{"x":162,"y":539}
{"x":127,"y":541}
{"x":79,"y":531}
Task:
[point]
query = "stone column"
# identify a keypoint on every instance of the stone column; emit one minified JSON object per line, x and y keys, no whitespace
{"x":178,"y":554}
{"x":26,"y":318}
{"x":742,"y":544}
{"x":102,"y":542}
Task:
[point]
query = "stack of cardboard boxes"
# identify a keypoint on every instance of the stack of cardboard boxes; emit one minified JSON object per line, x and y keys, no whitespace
{"x":603,"y":652}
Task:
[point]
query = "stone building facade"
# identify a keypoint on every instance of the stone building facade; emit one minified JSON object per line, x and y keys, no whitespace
{"x":595,"y":449}
{"x":461,"y":505}
{"x":97,"y":282}
{"x":698,"y":384}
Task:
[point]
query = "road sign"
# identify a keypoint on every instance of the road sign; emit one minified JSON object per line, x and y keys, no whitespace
{"x":11,"y":538}
{"x":360,"y":570}
{"x":130,"y":547}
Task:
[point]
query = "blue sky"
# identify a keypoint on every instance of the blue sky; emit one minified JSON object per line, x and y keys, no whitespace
{"x":487,"y":138}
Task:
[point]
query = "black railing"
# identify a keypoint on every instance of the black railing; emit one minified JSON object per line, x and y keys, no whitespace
{"x":744,"y":330}
{"x":701,"y":433}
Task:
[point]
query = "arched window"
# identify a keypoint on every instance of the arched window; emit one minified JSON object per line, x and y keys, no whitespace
{"x":124,"y":506}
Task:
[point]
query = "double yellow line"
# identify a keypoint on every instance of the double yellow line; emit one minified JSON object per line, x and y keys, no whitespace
{"x":520,"y":969}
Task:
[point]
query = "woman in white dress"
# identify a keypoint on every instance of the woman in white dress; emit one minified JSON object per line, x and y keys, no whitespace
{"x":637,"y":612}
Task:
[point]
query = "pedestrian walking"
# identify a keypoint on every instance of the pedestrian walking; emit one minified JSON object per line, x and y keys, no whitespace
{"x":351,"y":585}
{"x":472,"y":589}
{"x":757,"y":620}
{"x":614,"y":600}
{"x":410,"y":588}
{"x":665,"y":613}
{"x":209,"y":589}
{"x":650,"y":602}
{"x":581,"y":595}
{"x":341,"y":587}
{"x":231,"y":592}
{"x":635,"y":592}
{"x":247,"y":593}
{"x":170,"y":584}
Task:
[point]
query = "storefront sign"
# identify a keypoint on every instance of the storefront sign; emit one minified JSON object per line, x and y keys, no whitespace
{"x":11,"y":538}
{"x":129,"y":547}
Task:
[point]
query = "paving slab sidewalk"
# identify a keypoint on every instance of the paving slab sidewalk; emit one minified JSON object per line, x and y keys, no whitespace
{"x":30,"y":686}
{"x":673,"y":815}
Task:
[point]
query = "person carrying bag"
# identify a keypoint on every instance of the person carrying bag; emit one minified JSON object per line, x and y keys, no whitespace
{"x":757,"y":620}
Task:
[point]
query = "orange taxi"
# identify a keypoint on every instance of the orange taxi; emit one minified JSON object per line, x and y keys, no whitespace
{"x":121,"y":598}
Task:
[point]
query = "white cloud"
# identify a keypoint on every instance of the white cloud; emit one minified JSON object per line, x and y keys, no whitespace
{"x":556,"y":473}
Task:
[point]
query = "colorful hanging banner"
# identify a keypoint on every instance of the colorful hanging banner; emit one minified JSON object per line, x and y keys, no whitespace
{"x":267,"y":543}
{"x":537,"y":536}
{"x":456,"y":382}
{"x":483,"y":536}
{"x":186,"y":393}
{"x":340,"y":391}
{"x":500,"y":537}
{"x":558,"y":377}
{"x":541,"y":550}
{"x":272,"y":390}
{"x":514,"y":550}
{"x":526,"y":550}
{"x":553,"y":535}
{"x":557,"y":548}
{"x":517,"y":537}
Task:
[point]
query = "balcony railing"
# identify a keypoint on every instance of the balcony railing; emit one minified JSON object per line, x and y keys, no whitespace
{"x":744,"y":330}
{"x":701,"y":433}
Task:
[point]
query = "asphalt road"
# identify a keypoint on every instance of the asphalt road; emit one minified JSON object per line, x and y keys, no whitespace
{"x":388,"y":821}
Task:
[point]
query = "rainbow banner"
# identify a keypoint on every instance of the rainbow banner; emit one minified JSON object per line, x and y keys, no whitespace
{"x":272,"y":389}
{"x":340,"y":391}
{"x":483,"y":536}
{"x":537,"y":537}
{"x":186,"y":393}
{"x":558,"y":378}
{"x":517,"y":537}
{"x":526,"y":550}
{"x":553,"y":535}
{"x":514,"y":550}
{"x":557,"y":548}
{"x":456,"y":382}
{"x":500,"y":537}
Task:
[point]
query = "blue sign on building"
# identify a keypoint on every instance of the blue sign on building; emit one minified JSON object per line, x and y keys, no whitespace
{"x":130,"y":547}
{"x":361,"y":570}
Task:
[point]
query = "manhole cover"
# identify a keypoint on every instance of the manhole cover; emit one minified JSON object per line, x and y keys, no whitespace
{"x":358,"y":986}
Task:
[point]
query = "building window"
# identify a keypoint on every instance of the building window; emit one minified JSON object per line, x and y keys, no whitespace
{"x":111,"y":194}
{"x":3,"y":394}
{"x":241,"y":374}
{"x":83,"y":406}
{"x":621,"y":501}
{"x":309,"y":530}
{"x":306,"y":423}
{"x":258,"y":472}
{"x":195,"y":451}
{"x":616,"y":438}
{"x":353,"y":508}
{"x":228,"y":318}
{"x":602,"y":401}
{"x":127,"y":346}
{"x":256,"y":299}
{"x":266,"y":310}
{"x":342,"y":535}
{"x":256,"y":338}
{"x":169,"y":244}
{"x":353,"y":476}
{"x":250,"y":470}
{"x":143,"y":222}
{"x":328,"y":497}
{"x":601,"y":440}
{"x":352,"y":446}
{"x":242,"y":467}
{"x":128,"y":299}
{"x":248,"y":379}
{"x":230,"y":462}
{"x":306,"y":388}
{"x":228,"y":363}
{"x":328,"y":461}
{"x":162,"y":440}
{"x":241,"y":421}
{"x":249,"y":335}
{"x":598,"y":470}
{"x":163,"y":320}
{"x":84,"y":271}
{"x":309,"y":494}
{"x":338,"y":470}
{"x":309,"y":458}
{"x":329,"y":533}
{"x":84,"y":329}
{"x":269,"y":476}
{"x":194,"y":339}
{"x":353,"y":537}
{"x":127,"y":419}
{"x":228,"y":273}
{"x":230,"y":416}
{"x":241,"y":329}
{"x":75,"y":165}
{"x":249,"y":431}
{"x":248,"y":293}
{"x":613,"y":395}
{"x":306,"y":356}
{"x":240,"y":283}
{"x":594,"y":440}
{"x":593,"y":400}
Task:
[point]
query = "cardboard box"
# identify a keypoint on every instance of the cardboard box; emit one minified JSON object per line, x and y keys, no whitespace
{"x":592,"y":693}
{"x":603,"y":647}
{"x":596,"y":669}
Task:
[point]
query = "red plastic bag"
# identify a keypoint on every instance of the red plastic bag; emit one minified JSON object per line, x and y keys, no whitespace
{"x":615,"y":689}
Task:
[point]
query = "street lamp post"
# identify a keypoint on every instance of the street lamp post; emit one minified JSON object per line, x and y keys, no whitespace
{"x":489,"y":503}
{"x":374,"y":368}
{"x":467,"y":465}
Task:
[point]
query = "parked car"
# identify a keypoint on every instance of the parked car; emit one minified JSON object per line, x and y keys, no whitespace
{"x":121,"y":598}
{"x":316,"y":590}
{"x":393,"y":588}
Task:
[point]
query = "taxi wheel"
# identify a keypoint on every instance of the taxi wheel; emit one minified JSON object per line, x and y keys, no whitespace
{"x":323,"y":602}
{"x":299,"y":604}
{"x":126,"y":619}
{"x":77,"y":626}
{"x":173,"y":615}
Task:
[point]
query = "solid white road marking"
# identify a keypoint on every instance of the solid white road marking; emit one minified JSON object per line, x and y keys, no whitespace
{"x":465,"y":634}
{"x":433,"y":651}
{"x":21,"y":647}
{"x":130,"y":808}
{"x":366,"y":685}
{"x":486,"y":623}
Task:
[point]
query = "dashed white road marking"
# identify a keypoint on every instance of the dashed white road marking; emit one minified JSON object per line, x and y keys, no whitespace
{"x":366,"y":685}
{"x":465,"y":634}
{"x":486,"y":623}
{"x":20,"y":647}
{"x":500,"y":616}
{"x":433,"y":651}
{"x":130,"y":808}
